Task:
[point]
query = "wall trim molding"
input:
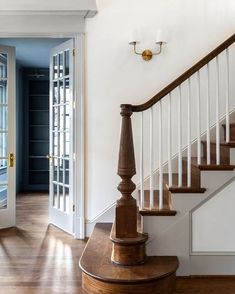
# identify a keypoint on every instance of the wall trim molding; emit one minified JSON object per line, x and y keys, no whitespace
{"x":91,"y":221}
{"x":80,"y":13}
{"x":207,"y":253}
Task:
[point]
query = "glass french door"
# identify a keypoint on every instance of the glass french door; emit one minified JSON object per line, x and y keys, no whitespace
{"x":61,"y":137}
{"x":7,"y":137}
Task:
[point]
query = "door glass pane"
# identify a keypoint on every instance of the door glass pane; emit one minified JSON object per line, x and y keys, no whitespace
{"x":55,"y":169}
{"x":61,"y":171}
{"x":66,"y":191}
{"x":61,"y":108}
{"x":3,"y":117}
{"x":55,"y":93}
{"x":67,"y":90}
{"x":3,"y":65}
{"x":55,"y":118}
{"x":61,"y":87}
{"x":61,"y":146}
{"x":55,"y":144}
{"x":3,"y":91}
{"x":61,"y":197}
{"x":3,"y":196}
{"x":61,"y":64}
{"x":66,"y":117}
{"x":67,"y":172}
{"x":55,"y":67}
{"x":66,"y":151}
{"x":55,"y":197}
{"x":66,"y":63}
{"x":3,"y":164}
{"x":3,"y":144}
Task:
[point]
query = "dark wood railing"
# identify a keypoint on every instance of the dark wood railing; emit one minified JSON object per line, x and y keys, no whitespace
{"x":126,"y":210}
{"x":184,"y":76}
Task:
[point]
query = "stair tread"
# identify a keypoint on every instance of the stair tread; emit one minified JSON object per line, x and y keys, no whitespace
{"x":96,"y":261}
{"x":231,"y":124}
{"x":184,"y":188}
{"x":213,"y":166}
{"x":164,"y":212}
{"x":223,"y":143}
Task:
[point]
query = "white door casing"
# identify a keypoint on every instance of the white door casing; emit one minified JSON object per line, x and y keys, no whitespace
{"x":7,"y":136}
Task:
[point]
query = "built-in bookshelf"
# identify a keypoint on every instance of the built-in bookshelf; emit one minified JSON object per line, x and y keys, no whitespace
{"x":37,"y":126}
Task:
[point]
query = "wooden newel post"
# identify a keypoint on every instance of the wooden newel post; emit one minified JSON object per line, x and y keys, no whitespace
{"x":128,"y":243}
{"x":126,"y":209}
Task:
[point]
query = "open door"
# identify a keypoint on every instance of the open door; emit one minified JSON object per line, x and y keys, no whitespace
{"x":7,"y":137}
{"x":61,"y":137}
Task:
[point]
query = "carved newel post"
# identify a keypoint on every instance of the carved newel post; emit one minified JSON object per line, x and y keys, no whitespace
{"x":128,"y":244}
{"x":126,"y":209}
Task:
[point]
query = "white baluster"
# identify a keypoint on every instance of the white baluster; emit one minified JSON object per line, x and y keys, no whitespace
{"x":160,"y":158}
{"x":151,"y":160}
{"x":198,"y":119}
{"x":179,"y":140}
{"x":169,"y":143}
{"x":217,"y":113}
{"x":189,"y":136}
{"x":208,"y":143}
{"x":227,"y":97}
{"x":141,"y":162}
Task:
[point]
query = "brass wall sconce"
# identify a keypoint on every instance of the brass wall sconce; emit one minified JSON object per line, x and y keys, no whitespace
{"x":147,"y":54}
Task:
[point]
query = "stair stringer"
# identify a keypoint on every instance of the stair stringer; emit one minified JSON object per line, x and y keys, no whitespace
{"x":172,"y":235}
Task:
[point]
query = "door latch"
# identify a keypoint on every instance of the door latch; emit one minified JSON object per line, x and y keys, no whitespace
{"x":11,"y":159}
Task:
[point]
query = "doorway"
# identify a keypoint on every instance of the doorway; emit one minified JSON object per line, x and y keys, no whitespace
{"x":44,"y":124}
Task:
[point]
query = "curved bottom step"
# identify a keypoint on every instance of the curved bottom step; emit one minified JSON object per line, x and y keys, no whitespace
{"x":100,"y":275}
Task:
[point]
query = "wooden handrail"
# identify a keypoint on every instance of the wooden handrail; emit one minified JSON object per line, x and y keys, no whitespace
{"x":184,"y":76}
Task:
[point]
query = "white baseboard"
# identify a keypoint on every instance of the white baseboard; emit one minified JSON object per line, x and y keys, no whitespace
{"x":107,"y":216}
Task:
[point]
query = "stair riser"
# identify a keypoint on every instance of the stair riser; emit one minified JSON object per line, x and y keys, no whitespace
{"x":195,"y":175}
{"x":232,"y":132}
{"x":224,"y":153}
{"x":94,"y":286}
{"x":166,"y":199}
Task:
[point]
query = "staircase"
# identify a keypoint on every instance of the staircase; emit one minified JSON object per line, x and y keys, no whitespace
{"x":174,"y":149}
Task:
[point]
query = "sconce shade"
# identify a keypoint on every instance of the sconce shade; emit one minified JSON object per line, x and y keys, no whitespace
{"x":133,"y":39}
{"x":160,"y":37}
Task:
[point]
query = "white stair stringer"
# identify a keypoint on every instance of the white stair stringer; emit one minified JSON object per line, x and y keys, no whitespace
{"x":172,"y":235}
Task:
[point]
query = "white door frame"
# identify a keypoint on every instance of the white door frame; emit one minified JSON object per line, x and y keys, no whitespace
{"x":79,"y":214}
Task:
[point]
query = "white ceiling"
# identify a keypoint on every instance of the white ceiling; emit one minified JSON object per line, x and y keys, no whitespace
{"x":32,"y":52}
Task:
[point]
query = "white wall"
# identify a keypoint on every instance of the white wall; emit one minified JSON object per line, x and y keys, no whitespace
{"x":114,"y":75}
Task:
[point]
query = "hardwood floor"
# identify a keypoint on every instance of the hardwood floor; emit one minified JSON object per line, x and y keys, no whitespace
{"x":36,"y":258}
{"x":212,"y":285}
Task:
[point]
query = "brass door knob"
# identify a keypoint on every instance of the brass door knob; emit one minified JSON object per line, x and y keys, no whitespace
{"x":11,"y":159}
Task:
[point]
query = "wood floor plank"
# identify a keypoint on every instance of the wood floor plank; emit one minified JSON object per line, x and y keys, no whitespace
{"x":37,"y":257}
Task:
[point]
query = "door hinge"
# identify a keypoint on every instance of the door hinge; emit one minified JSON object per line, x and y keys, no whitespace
{"x":74,"y":156}
{"x":73,"y":208}
{"x":74,"y":104}
{"x":73,"y":51}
